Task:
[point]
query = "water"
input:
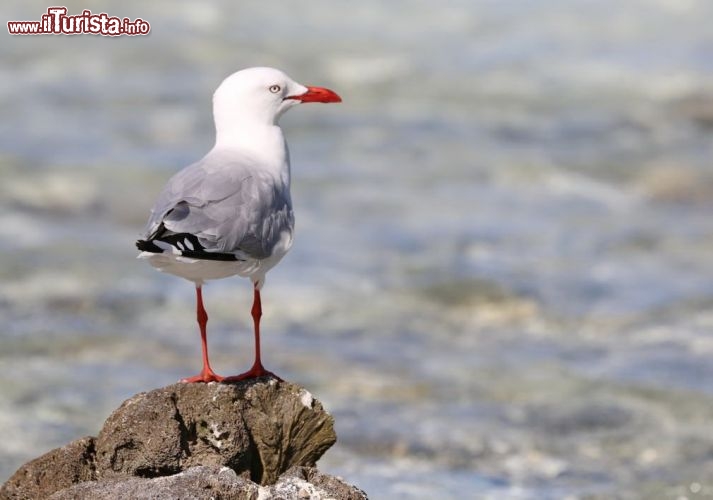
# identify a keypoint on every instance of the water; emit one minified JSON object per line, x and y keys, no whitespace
{"x":500,"y":284}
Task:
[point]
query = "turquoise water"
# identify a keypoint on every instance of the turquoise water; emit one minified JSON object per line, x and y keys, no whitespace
{"x":500,"y":283}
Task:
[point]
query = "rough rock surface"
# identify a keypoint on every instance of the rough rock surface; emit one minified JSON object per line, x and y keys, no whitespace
{"x":214,"y":483}
{"x":55,"y":470}
{"x":260,"y":429}
{"x":202,"y":482}
{"x":196,"y":441}
{"x":168,"y":430}
{"x":308,"y":482}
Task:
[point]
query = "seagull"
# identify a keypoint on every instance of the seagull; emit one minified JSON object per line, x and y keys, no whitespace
{"x":230,"y":213}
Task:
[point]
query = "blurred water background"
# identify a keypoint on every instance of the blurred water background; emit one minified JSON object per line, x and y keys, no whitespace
{"x":501,"y":279}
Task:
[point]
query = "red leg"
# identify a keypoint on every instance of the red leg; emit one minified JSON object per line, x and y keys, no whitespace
{"x":257,"y":369}
{"x":207,"y":374}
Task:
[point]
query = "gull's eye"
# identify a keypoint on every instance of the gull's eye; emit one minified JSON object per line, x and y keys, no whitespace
{"x":275,"y":89}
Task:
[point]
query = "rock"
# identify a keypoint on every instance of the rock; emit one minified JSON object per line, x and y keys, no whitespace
{"x":257,"y":428}
{"x":168,"y":430}
{"x":214,"y":482}
{"x":288,"y":426}
{"x":196,"y":441}
{"x":308,"y":482}
{"x":202,"y":482}
{"x":53,"y":471}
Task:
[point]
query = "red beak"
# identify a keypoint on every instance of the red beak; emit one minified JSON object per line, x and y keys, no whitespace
{"x":317,"y":94}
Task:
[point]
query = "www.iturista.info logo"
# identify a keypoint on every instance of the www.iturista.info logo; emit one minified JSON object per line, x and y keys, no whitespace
{"x":57,"y":22}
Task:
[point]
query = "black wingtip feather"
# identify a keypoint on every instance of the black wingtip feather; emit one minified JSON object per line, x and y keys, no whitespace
{"x":148,"y":246}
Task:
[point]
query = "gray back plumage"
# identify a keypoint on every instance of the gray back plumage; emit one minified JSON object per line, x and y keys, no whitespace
{"x":228,"y":202}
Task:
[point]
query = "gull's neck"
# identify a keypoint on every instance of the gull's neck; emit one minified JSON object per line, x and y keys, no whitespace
{"x":260,"y":141}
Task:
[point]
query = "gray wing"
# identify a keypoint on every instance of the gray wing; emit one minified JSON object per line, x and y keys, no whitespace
{"x":228,"y":203}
